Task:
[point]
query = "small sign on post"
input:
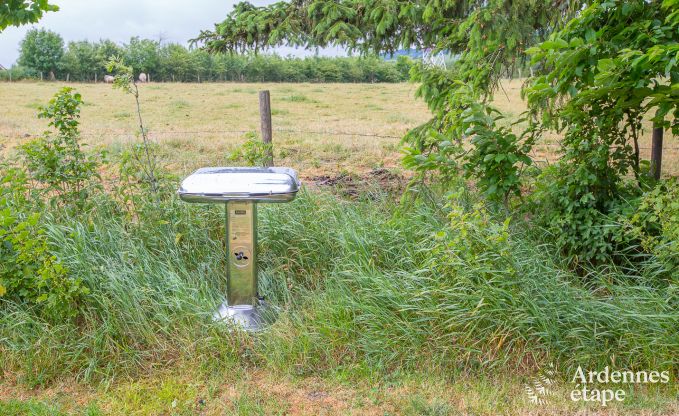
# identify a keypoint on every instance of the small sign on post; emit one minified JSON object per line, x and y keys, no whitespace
{"x":265,"y":116}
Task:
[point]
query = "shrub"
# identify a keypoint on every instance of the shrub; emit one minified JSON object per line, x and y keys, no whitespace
{"x":655,"y":224}
{"x":29,"y":271}
{"x":17,"y":73}
{"x":56,"y":162}
{"x":253,"y":152}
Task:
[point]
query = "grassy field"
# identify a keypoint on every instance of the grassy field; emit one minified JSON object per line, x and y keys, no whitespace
{"x":319,"y":129}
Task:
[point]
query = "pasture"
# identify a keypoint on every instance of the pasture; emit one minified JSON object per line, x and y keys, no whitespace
{"x":318,"y":128}
{"x":321,"y":129}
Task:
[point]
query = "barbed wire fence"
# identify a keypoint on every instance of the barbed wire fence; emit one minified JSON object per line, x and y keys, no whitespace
{"x":541,"y":152}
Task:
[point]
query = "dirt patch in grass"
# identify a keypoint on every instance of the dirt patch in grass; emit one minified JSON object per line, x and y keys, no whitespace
{"x":352,"y":185}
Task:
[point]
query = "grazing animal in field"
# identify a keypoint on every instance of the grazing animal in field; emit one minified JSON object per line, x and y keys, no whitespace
{"x":142,"y":77}
{"x":109,"y":79}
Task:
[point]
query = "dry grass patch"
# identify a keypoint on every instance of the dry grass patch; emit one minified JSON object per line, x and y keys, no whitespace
{"x":200,"y":124}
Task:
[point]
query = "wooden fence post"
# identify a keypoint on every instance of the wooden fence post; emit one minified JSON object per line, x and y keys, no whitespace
{"x":265,"y":116}
{"x":656,"y":152}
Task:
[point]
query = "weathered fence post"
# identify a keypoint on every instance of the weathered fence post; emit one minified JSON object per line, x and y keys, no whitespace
{"x":656,"y":152}
{"x":265,"y":116}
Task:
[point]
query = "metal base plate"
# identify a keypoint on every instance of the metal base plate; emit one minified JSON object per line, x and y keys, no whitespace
{"x":247,"y":317}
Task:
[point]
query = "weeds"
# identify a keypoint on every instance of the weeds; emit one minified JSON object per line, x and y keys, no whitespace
{"x":253,"y":152}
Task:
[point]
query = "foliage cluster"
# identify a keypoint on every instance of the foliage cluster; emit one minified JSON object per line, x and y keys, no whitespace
{"x":54,"y":172}
{"x":253,"y":152}
{"x":43,"y":51}
{"x":654,"y":225}
{"x":21,"y":12}
{"x":55,"y":163}
{"x":601,"y":68}
{"x":605,"y":71}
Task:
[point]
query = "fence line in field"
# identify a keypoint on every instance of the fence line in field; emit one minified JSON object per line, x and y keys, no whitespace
{"x":205,"y":132}
{"x":536,"y":147}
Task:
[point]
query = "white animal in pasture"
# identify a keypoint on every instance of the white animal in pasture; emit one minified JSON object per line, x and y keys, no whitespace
{"x":142,"y":77}
{"x":108,"y":79}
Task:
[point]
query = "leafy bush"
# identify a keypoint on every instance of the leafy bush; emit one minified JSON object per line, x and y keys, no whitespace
{"x":253,"y":152}
{"x":624,"y":228}
{"x":29,"y":271}
{"x":17,"y":73}
{"x":497,"y":155}
{"x":655,"y":225}
{"x":602,"y":76}
{"x":56,"y":169}
{"x":55,"y":162}
{"x":580,"y":224}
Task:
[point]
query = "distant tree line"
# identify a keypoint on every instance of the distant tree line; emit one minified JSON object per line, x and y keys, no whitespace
{"x":43,"y":55}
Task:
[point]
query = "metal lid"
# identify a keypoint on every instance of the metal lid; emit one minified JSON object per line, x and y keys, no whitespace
{"x":221,"y":184}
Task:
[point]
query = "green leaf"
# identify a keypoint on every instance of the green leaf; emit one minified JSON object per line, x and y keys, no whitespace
{"x":605,"y":64}
{"x":575,"y":42}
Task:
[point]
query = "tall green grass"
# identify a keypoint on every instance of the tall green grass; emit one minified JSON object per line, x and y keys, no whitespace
{"x":479,"y":296}
{"x":366,"y":286}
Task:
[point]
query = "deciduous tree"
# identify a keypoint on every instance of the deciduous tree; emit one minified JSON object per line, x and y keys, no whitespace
{"x":41,"y":50}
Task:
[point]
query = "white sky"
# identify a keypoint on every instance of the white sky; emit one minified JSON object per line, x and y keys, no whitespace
{"x":175,"y":21}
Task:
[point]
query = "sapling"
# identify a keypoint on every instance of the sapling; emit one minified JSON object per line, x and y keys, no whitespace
{"x":124,"y":80}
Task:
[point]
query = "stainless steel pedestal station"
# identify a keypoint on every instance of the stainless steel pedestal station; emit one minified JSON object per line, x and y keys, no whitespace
{"x":240,"y":189}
